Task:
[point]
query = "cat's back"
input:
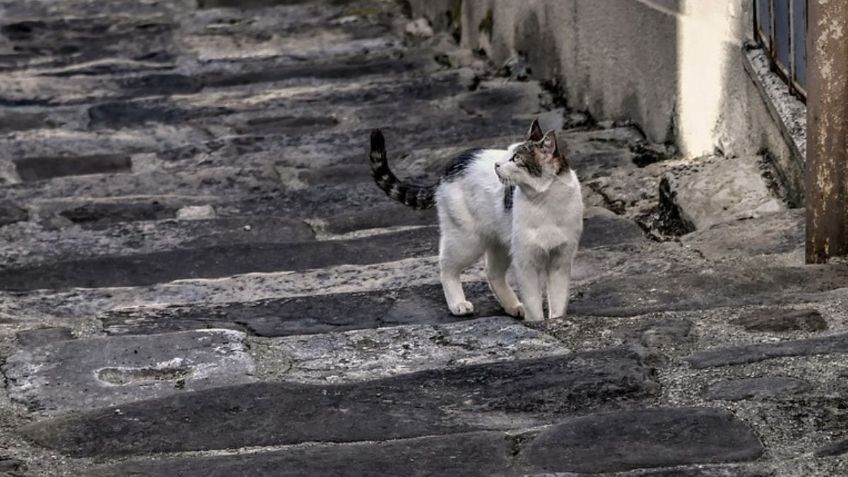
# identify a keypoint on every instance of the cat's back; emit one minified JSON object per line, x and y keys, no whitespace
{"x":472,"y":172}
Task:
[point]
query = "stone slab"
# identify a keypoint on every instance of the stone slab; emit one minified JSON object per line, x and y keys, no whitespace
{"x":772,"y":234}
{"x":42,"y":336}
{"x":723,"y":284}
{"x":479,"y":397}
{"x":835,"y":448}
{"x":100,"y":214}
{"x":370,"y":354}
{"x":482,"y":454}
{"x":99,"y":237}
{"x":380,"y":215}
{"x":11,"y":213}
{"x":718,"y":190}
{"x":223,"y":182}
{"x":99,"y":372}
{"x":760,"y":352}
{"x":782,"y":320}
{"x":761,"y":388}
{"x":40,"y":168}
{"x":658,"y":333}
{"x":634,"y":439}
{"x":220,"y":261}
{"x":604,"y":230}
{"x":303,"y":315}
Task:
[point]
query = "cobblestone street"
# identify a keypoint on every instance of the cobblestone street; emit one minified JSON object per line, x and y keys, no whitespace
{"x":199,"y":277}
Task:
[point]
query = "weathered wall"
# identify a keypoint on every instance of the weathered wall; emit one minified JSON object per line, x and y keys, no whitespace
{"x":673,"y":66}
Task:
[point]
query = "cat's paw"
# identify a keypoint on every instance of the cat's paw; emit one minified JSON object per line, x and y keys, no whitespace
{"x":533,"y":318}
{"x":462,"y":308}
{"x":516,"y":311}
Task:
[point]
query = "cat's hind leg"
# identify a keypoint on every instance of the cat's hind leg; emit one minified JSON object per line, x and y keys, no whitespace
{"x":457,"y":251}
{"x":497,"y":263}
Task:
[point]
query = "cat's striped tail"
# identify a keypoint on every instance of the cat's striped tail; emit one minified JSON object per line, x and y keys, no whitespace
{"x":415,"y":196}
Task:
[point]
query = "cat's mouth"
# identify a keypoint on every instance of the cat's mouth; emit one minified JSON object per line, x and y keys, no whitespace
{"x":504,"y":180}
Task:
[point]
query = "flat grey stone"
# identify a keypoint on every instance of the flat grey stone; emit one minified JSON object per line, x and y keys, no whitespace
{"x":370,"y":354}
{"x":726,"y":284}
{"x":480,"y":454}
{"x":771,"y":234}
{"x":384,"y":214}
{"x":43,"y":336}
{"x":39,"y":168}
{"x":626,"y":440}
{"x":98,"y":237}
{"x":834,"y":448}
{"x":229,"y":181}
{"x":496,"y":97}
{"x":760,"y":352}
{"x":266,"y":72}
{"x":305,"y":315}
{"x":20,"y":121}
{"x":728,"y":470}
{"x":11,"y":213}
{"x":99,"y":372}
{"x":662,"y":332}
{"x":219,"y":261}
{"x":609,"y":230}
{"x":765,"y":387}
{"x":107,"y":213}
{"x":480,"y":397}
{"x":781,"y":320}
{"x":719,"y":190}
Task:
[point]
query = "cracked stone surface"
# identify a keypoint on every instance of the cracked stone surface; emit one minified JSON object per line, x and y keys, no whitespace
{"x":199,"y":277}
{"x":81,"y":374}
{"x":718,"y":190}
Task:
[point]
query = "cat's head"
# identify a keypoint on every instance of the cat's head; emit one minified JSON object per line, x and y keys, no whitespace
{"x":534,"y":163}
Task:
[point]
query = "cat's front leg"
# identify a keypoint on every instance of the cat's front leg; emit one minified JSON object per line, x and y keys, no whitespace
{"x":559,"y":280}
{"x":527,"y":272}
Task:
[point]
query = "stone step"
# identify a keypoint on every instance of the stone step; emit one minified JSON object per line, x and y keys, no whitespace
{"x":304,"y":315}
{"x":78,"y":37}
{"x":481,"y":397}
{"x":220,"y":261}
{"x":362,"y":355}
{"x":778,"y":233}
{"x":101,"y":372}
{"x":219,"y":181}
{"x":642,"y":439}
{"x":589,"y":266}
{"x":67,"y":143}
{"x":752,"y":353}
{"x":357,"y":93}
{"x":95,"y":237}
{"x":679,"y":287}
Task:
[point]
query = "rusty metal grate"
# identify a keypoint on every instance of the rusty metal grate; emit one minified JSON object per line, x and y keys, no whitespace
{"x":780,"y":26}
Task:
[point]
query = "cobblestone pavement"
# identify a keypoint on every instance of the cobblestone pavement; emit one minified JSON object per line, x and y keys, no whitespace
{"x":199,"y":277}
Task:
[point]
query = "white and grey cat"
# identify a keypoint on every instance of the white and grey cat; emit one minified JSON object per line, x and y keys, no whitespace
{"x":520,"y":206}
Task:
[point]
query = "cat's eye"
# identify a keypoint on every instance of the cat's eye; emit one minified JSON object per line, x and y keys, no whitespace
{"x":512,"y":159}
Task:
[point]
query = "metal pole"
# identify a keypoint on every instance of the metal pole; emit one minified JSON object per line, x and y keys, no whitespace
{"x":827,"y":130}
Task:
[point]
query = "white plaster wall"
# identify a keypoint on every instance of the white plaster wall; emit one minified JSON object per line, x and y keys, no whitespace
{"x":673,"y":66}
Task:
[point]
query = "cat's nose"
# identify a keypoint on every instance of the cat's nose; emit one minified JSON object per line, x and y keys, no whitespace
{"x":497,"y":166}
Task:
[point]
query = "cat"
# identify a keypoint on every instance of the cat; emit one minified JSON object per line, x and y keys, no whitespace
{"x":520,"y":206}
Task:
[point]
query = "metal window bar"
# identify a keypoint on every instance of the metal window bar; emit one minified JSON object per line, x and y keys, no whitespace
{"x":780,"y":27}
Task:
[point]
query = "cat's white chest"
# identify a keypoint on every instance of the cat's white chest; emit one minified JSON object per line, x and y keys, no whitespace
{"x":552,"y":224}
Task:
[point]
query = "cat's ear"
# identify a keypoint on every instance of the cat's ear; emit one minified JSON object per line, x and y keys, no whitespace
{"x":535,"y":132}
{"x":554,"y":153}
{"x":549,"y":144}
